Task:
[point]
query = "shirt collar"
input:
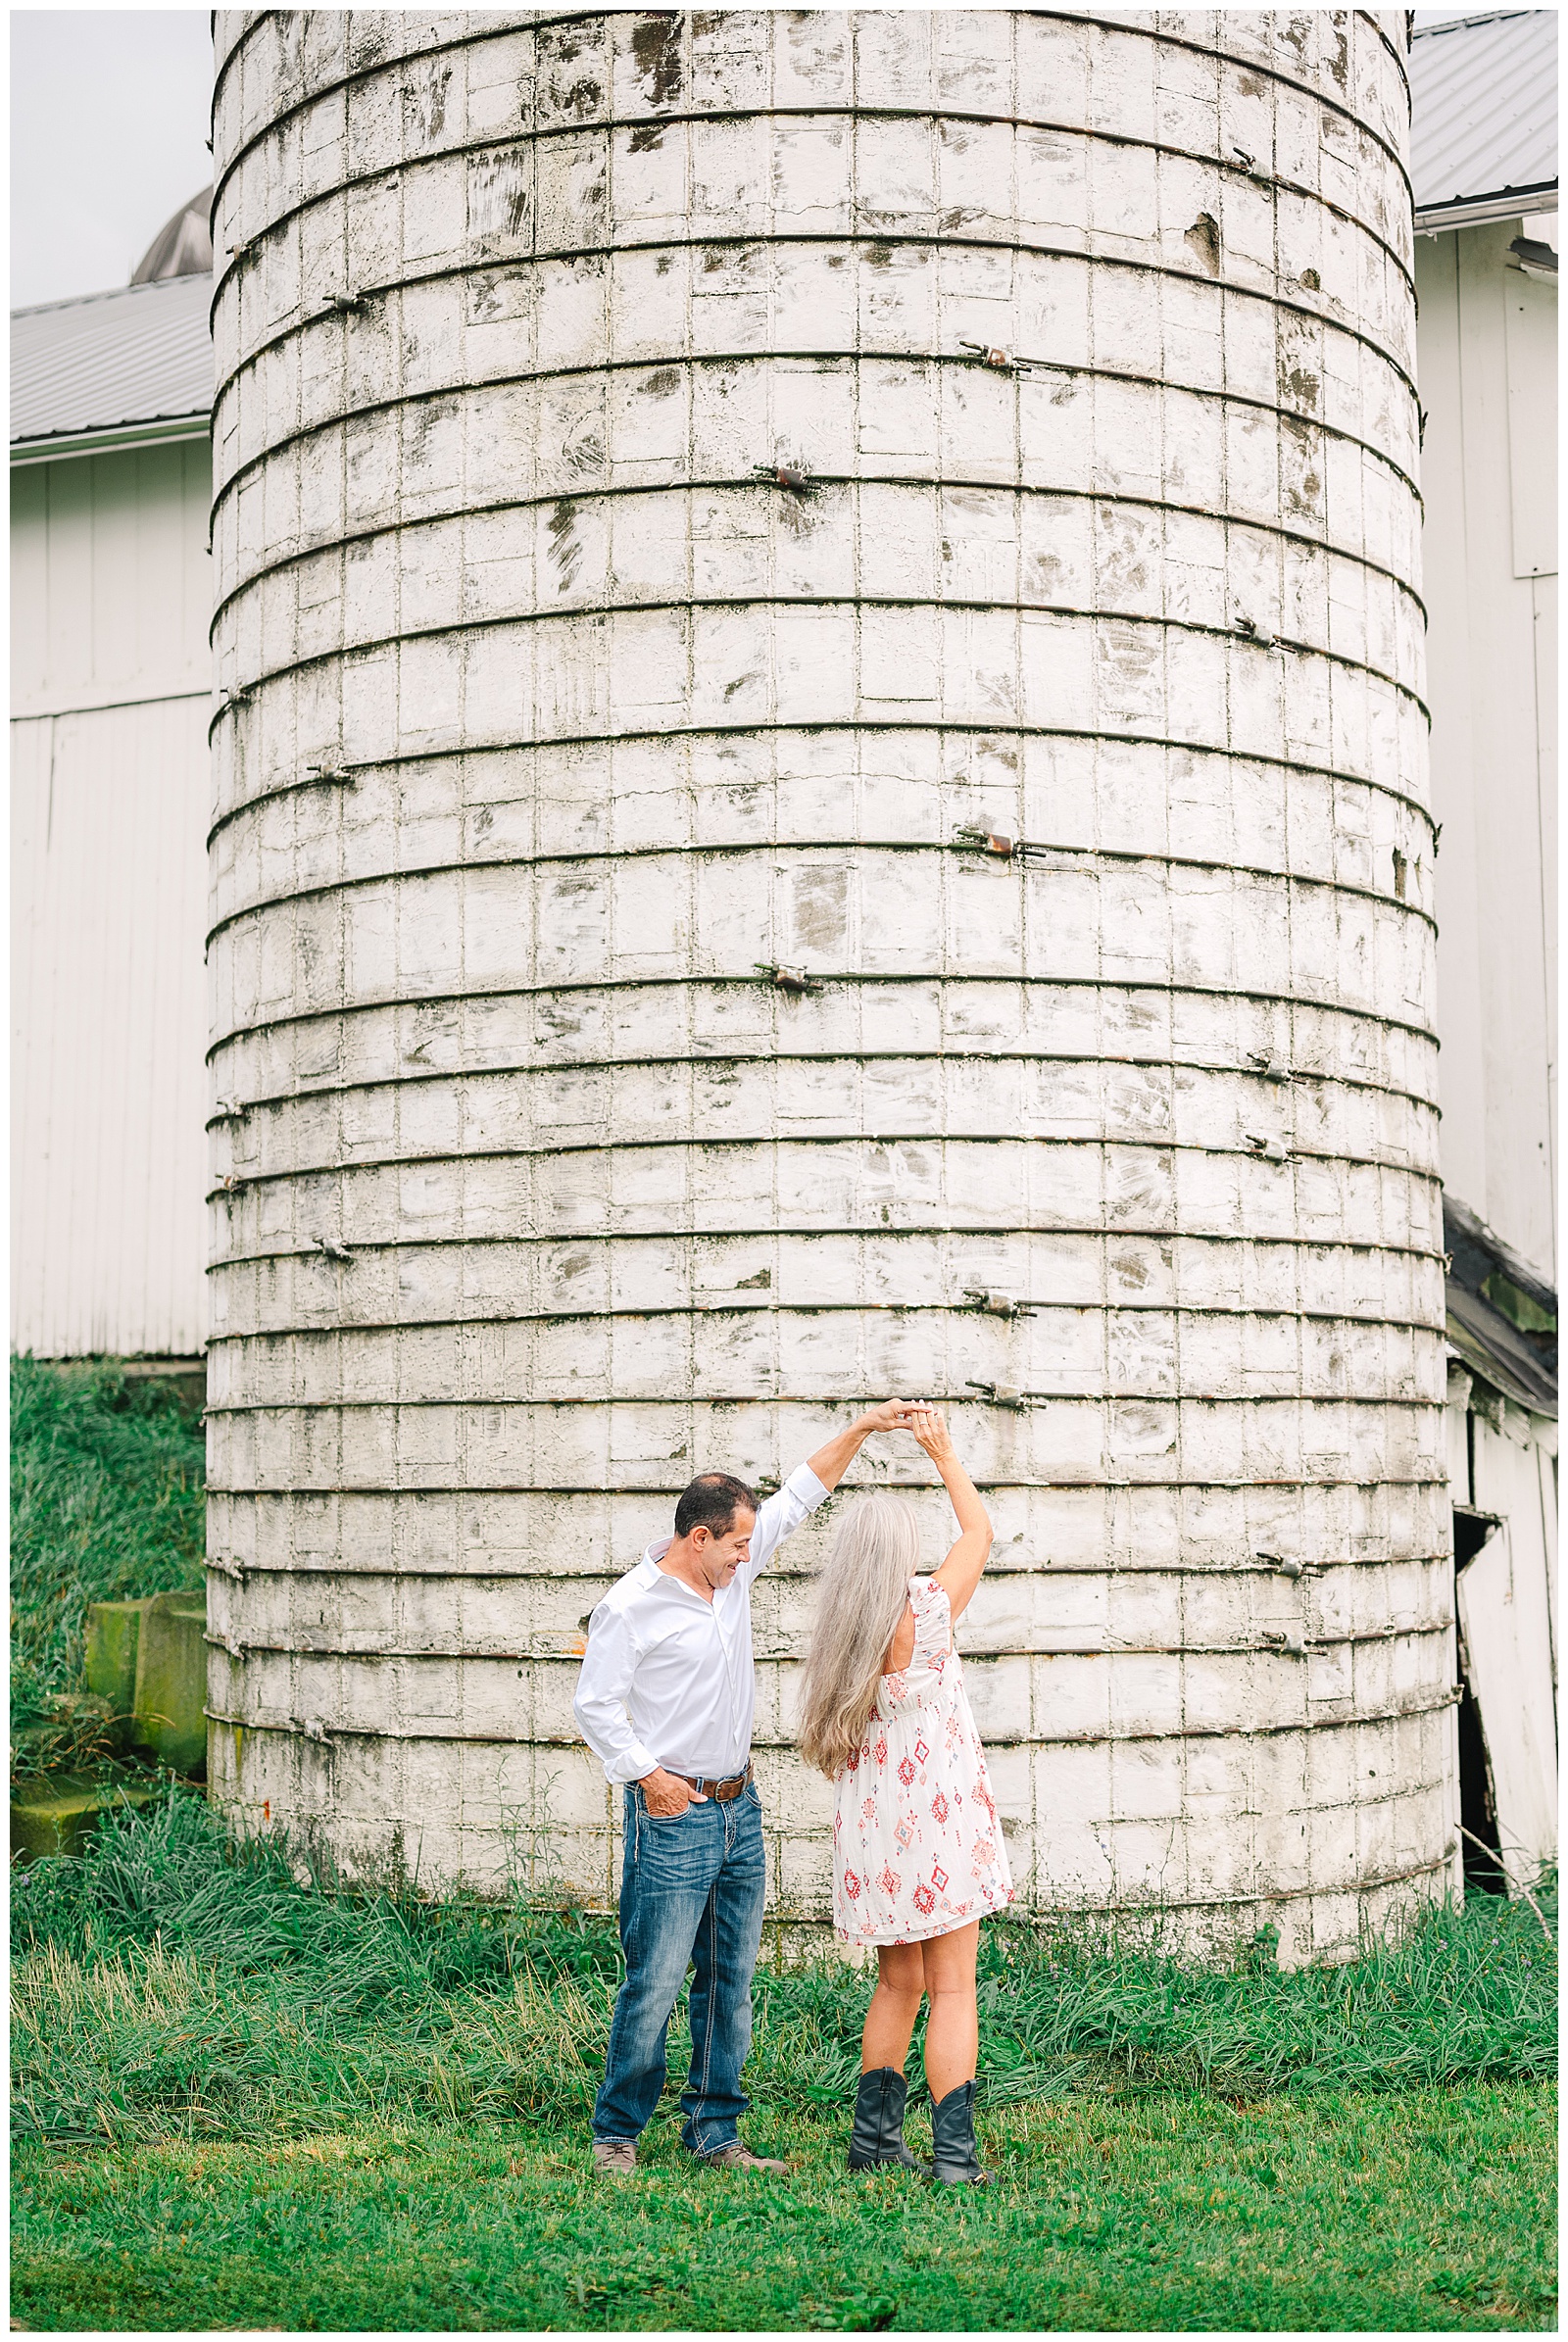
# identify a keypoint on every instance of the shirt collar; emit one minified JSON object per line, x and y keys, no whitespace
{"x":649,"y":1574}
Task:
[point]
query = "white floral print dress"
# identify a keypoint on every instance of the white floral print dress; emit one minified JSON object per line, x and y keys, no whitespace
{"x":917,"y":1848}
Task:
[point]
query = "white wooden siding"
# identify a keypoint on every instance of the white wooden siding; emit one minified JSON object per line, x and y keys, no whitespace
{"x":1486,"y":353}
{"x":110,"y":794}
{"x":1506,"y":1600}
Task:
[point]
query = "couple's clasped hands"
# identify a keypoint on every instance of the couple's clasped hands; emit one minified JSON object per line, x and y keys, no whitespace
{"x":915,"y":1415}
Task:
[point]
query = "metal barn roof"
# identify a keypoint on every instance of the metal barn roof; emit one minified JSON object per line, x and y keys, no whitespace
{"x":1484,"y":117}
{"x":115,"y":367}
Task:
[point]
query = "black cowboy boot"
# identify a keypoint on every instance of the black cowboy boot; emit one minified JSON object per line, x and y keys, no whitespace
{"x":953,"y":2138}
{"x":878,"y":2136}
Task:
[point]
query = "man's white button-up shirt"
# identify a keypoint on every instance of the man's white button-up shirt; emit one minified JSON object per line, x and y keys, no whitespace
{"x":667,"y":1677}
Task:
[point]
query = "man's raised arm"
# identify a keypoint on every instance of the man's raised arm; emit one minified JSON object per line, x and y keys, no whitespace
{"x":810,"y":1483}
{"x":834,"y":1458}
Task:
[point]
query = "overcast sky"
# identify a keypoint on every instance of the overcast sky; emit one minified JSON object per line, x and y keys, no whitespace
{"x":109,"y":120}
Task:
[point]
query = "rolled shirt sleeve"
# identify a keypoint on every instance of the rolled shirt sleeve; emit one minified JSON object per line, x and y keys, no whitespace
{"x":599,"y":1703}
{"x":781,"y":1515}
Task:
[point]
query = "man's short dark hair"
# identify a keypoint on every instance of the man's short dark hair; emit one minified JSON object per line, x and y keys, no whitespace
{"x":712,"y":1499}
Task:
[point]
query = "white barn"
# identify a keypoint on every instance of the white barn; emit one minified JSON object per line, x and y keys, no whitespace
{"x":111,"y":480}
{"x":1484,"y":168}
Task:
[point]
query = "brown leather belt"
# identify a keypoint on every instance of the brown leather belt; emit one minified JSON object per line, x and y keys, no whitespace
{"x":720,"y":1791}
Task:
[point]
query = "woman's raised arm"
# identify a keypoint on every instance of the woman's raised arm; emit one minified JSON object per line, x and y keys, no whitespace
{"x":959,"y":1574}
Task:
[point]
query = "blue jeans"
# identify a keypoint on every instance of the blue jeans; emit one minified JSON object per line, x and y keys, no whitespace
{"x":691,"y":1891}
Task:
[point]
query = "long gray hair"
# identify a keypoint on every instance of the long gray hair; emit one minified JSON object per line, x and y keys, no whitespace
{"x":859,"y":1602}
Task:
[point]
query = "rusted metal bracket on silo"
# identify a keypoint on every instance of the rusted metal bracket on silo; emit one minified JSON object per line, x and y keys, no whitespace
{"x":342,"y":776}
{"x":1001,"y":362}
{"x":795,"y":980}
{"x":1289,"y":1565}
{"x":1289,"y":1643}
{"x":999,"y":1304}
{"x":788,"y":476}
{"x":310,"y":1727}
{"x":1000,"y":847}
{"x":1002,"y":1394}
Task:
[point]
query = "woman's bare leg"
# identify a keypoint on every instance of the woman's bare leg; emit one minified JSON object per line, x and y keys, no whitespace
{"x":952,"y":2028}
{"x":895,"y":2006}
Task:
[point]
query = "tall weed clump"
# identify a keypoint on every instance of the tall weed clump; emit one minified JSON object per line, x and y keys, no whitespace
{"x":107,"y":1502}
{"x":172,"y":1982}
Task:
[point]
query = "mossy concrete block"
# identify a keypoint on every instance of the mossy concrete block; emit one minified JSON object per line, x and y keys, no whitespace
{"x":170,"y":1701}
{"x":56,"y":1816}
{"x":113,"y":1632}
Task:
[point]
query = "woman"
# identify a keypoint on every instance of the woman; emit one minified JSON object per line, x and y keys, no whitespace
{"x":917,"y":1852}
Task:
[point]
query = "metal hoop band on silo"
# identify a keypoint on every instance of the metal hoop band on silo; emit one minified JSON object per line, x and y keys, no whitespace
{"x":820,"y":791}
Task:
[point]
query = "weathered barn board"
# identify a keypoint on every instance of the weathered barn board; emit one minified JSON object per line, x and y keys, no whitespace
{"x":1492,"y":504}
{"x":551,"y":721}
{"x":110,"y":589}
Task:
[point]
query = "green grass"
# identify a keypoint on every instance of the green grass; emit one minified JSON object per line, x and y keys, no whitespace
{"x":169,"y":1985}
{"x":107,"y":1502}
{"x":1397,"y":2212}
{"x":243,"y":2098}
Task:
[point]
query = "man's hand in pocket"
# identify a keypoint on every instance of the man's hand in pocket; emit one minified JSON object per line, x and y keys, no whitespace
{"x":666,"y":1794}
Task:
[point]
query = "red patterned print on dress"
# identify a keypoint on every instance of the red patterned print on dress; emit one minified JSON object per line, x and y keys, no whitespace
{"x":902,"y":1854}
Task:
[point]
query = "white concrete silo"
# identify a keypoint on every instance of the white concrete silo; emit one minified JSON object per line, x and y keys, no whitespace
{"x":545,"y":727}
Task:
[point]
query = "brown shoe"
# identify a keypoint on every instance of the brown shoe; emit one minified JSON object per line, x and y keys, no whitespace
{"x":737,"y":2157}
{"x":615,"y":2155}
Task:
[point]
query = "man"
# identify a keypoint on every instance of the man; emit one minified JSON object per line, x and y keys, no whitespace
{"x":665,"y":1701}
